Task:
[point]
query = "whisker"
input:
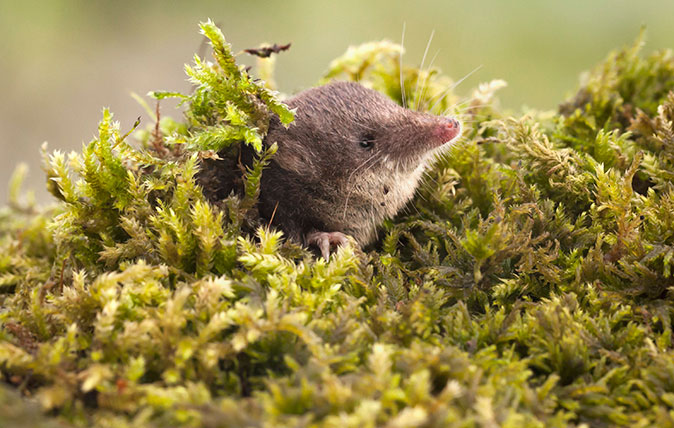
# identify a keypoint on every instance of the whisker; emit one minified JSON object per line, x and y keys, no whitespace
{"x":442,"y":96}
{"x":367,"y":168}
{"x":474,"y":106}
{"x":425,"y":86}
{"x":466,"y":111}
{"x":362,"y":164}
{"x":465,"y":100}
{"x":421,"y":67}
{"x":348,"y":180}
{"x":457,"y":83}
{"x":402,"y":84}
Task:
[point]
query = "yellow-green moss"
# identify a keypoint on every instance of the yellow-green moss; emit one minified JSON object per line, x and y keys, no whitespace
{"x":527,"y":284}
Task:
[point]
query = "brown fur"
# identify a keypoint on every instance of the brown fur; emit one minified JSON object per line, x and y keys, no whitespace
{"x":322,"y":179}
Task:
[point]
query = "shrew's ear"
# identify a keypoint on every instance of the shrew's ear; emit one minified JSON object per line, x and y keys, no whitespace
{"x":296,"y":161}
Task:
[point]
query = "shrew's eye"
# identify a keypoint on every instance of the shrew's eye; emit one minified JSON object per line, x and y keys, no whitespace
{"x":367,"y":142}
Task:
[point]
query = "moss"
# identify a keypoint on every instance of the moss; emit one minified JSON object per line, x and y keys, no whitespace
{"x":527,"y":284}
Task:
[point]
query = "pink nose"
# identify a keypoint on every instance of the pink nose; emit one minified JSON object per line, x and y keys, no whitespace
{"x":448,"y":129}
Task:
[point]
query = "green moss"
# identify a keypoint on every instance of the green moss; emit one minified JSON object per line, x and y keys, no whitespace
{"x":527,"y":284}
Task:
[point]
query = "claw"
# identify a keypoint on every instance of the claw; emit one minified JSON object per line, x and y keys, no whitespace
{"x":326,"y":240}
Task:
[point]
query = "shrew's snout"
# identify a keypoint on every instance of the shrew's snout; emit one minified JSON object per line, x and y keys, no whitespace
{"x":447,"y":129}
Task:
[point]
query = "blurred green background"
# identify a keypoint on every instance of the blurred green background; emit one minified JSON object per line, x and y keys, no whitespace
{"x":62,"y":61}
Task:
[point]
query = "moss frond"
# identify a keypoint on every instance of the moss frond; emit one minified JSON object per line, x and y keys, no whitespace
{"x":529,"y":282}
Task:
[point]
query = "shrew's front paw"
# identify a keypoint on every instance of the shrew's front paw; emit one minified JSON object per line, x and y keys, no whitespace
{"x":326,"y":240}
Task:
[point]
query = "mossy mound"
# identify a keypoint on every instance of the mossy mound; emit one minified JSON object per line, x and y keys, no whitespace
{"x":528,"y":283}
